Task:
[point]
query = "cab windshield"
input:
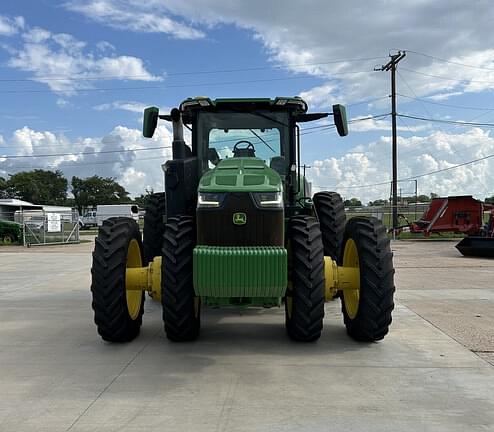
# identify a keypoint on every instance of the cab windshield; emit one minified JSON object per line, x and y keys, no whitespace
{"x":227,"y":135}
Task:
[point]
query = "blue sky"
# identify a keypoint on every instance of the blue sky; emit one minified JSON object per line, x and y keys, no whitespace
{"x":56,"y":56}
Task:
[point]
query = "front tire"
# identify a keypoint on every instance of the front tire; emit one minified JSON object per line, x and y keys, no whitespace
{"x":117,"y":312}
{"x":181,"y":307}
{"x":154,"y":225}
{"x":367,"y":311}
{"x":304,"y":303}
{"x":330,"y":212}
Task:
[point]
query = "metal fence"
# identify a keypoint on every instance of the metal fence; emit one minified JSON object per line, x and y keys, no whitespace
{"x":48,"y":228}
{"x":406,"y":213}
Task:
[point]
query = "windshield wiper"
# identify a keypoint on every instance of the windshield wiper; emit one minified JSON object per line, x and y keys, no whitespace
{"x":257,"y":135}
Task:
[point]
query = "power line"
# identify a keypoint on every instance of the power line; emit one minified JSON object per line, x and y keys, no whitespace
{"x":453,"y":146}
{"x":138,"y":149}
{"x":411,"y":177}
{"x":456,"y":122}
{"x":184,"y":73}
{"x":368,"y":101}
{"x":446,"y":105}
{"x":324,"y":126}
{"x":167,"y":86}
{"x":449,"y":168}
{"x":447,"y":78}
{"x":84,"y":153}
{"x":73,"y":164}
{"x":162,"y":87}
{"x":355,"y":120}
{"x":449,"y":61}
{"x":354,"y":187}
{"x":426,"y":109}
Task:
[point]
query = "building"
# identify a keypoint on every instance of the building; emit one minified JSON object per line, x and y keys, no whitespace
{"x":9,"y":206}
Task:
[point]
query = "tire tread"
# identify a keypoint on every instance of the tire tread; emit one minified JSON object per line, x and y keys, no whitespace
{"x":109,"y":302}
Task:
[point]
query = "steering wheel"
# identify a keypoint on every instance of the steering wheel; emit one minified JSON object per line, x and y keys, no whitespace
{"x":244,"y":151}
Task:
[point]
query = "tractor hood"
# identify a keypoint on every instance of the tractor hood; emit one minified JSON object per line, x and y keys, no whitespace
{"x":248,"y":174}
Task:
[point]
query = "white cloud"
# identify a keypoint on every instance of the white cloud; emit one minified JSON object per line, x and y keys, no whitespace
{"x":10,"y":26}
{"x":136,"y":107}
{"x":55,"y":59}
{"x":322,"y":31}
{"x":138,"y":17}
{"x":349,"y":174}
{"x":320,"y":96}
{"x":444,"y":96}
{"x":136,"y":170}
{"x":371,"y":163}
{"x":105,"y":46}
{"x":345,"y":30}
{"x":62,"y":103}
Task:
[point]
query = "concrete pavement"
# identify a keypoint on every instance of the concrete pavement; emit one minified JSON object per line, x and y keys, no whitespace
{"x":243,"y":374}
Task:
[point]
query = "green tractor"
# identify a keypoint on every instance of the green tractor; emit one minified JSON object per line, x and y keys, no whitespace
{"x":237,"y":226}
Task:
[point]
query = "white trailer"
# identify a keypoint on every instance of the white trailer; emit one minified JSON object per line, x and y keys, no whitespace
{"x":104,"y":212}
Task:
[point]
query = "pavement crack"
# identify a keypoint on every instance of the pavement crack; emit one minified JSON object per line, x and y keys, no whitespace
{"x":227,"y":406}
{"x":110,"y":383}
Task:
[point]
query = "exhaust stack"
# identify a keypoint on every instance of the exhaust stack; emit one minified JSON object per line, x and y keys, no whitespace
{"x":178,"y":144}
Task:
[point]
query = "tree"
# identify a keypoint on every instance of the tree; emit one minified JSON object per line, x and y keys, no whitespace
{"x":378,"y":203}
{"x":353,"y":202}
{"x":4,"y":192}
{"x":38,"y":186}
{"x":490,"y":200}
{"x":96,"y":190}
{"x":423,"y":198}
{"x":142,"y":199}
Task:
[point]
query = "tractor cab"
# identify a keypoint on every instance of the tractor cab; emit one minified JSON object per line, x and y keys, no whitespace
{"x":226,"y":129}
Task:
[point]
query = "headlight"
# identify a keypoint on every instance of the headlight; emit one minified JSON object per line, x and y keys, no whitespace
{"x":210,"y":199}
{"x":269,"y":199}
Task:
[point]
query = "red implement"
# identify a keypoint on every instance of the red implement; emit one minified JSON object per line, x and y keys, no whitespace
{"x":460,"y":214}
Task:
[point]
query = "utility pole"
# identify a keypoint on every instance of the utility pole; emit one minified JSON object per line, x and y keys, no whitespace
{"x":391,"y":66}
{"x":306,"y":166}
{"x":416,"y":197}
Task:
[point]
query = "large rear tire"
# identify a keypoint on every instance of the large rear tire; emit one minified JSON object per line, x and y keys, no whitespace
{"x":117,"y":312}
{"x":154,"y":225}
{"x":181,"y":308}
{"x":330,"y":212}
{"x":304,"y":302}
{"x":367,"y":311}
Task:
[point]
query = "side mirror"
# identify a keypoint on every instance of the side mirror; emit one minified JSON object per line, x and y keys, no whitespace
{"x":340,"y":121}
{"x":150,"y":121}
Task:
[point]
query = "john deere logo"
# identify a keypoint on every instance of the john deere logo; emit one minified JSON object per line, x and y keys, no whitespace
{"x":239,"y":218}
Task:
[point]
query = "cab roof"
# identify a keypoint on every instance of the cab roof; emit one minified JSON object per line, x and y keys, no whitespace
{"x":294,"y":104}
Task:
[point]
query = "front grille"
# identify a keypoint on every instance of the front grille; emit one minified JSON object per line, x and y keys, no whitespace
{"x":240,"y":271}
{"x":264,"y":227}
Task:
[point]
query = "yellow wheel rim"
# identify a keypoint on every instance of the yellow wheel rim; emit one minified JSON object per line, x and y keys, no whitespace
{"x":134,"y":297}
{"x":351,"y":297}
